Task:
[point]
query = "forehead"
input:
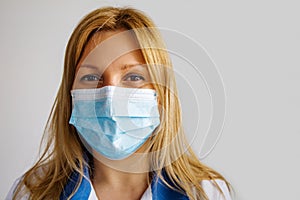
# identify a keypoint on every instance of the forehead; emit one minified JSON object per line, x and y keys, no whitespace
{"x":106,"y":46}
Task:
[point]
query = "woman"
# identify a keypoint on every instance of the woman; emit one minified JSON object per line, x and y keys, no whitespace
{"x":115,"y":128}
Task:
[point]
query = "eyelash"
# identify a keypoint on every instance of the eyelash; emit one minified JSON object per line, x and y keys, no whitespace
{"x":93,"y":77}
{"x":89,"y":76}
{"x":141,"y":78}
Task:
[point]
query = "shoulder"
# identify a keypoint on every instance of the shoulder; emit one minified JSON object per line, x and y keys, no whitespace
{"x":212,"y":191}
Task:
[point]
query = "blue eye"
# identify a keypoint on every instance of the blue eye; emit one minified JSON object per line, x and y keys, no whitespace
{"x":90,"y":77}
{"x":134,"y":77}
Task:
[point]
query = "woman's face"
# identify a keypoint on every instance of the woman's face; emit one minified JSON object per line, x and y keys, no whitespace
{"x":112,"y":58}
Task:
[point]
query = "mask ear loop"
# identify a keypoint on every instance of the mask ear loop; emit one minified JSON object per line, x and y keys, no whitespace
{"x":159,"y":127}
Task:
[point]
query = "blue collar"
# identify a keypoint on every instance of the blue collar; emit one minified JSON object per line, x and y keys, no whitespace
{"x":160,"y":191}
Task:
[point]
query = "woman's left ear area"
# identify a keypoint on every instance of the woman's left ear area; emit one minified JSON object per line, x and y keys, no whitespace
{"x":158,"y":99}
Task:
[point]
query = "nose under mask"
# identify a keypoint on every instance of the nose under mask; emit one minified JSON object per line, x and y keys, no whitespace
{"x":115,"y":121}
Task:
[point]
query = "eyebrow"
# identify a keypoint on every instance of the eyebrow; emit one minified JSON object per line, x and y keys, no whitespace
{"x":89,"y":66}
{"x":125,"y":67}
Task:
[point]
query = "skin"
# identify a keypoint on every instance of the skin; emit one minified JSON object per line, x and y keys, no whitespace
{"x":111,"y":64}
{"x":112,"y":58}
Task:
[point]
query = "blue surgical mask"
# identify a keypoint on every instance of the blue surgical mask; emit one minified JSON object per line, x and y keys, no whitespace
{"x":115,"y":121}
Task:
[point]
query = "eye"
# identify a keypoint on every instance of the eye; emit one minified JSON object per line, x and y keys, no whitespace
{"x":134,"y":77}
{"x":90,"y":77}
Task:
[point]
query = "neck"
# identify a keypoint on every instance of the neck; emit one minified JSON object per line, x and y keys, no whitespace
{"x":111,"y":183}
{"x":130,"y":172}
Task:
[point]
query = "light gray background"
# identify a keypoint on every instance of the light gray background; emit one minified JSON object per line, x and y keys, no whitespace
{"x":255,"y":45}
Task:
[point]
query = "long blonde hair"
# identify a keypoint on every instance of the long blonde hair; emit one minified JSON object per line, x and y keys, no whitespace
{"x":63,"y":149}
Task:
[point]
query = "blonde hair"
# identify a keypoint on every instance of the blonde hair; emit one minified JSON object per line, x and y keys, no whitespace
{"x":63,"y":150}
